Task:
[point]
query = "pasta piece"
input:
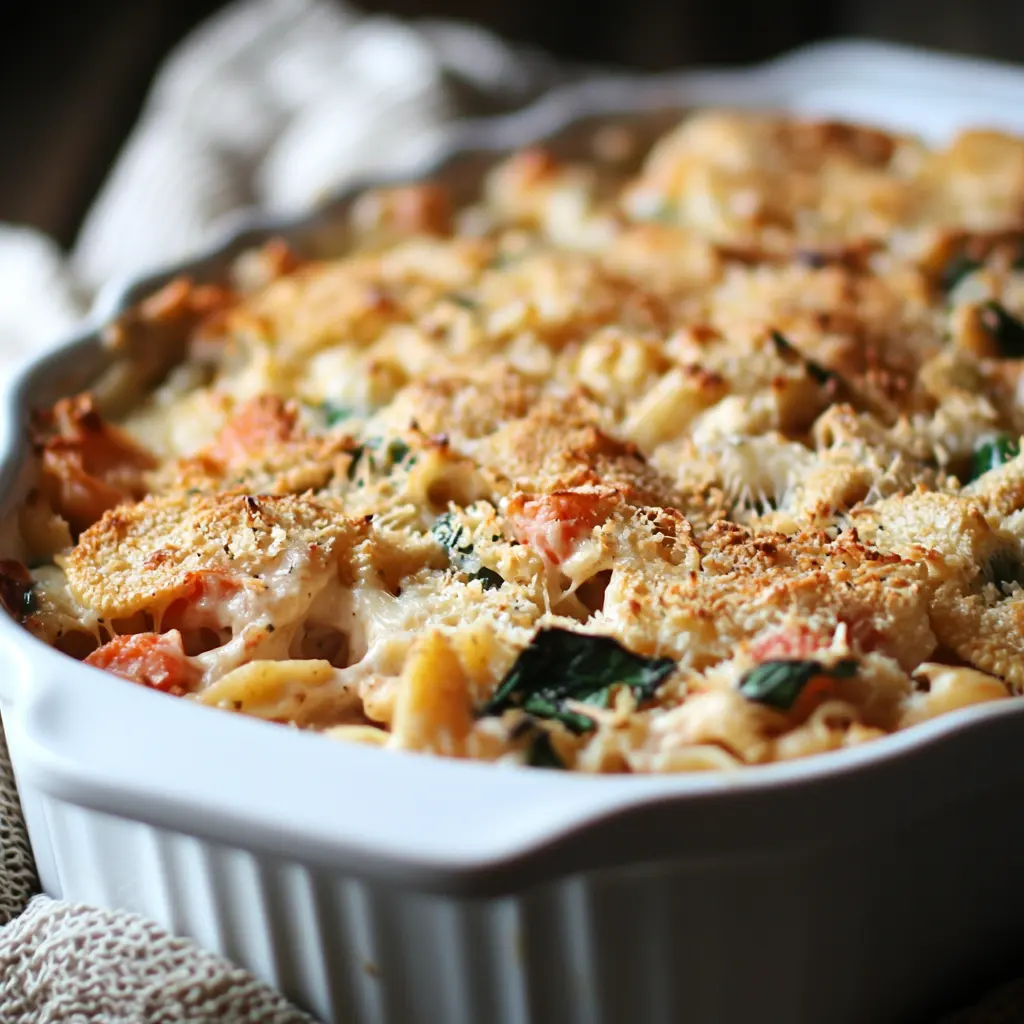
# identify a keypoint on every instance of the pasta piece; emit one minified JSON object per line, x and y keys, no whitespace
{"x":303,"y":692}
{"x":832,"y":726}
{"x":617,"y":367}
{"x":976,"y":575}
{"x":432,"y":709}
{"x":671,"y":405}
{"x":950,"y":688}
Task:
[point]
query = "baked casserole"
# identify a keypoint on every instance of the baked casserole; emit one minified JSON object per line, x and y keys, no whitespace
{"x":702,"y":463}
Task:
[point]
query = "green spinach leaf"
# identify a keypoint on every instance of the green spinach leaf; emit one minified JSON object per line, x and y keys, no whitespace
{"x":449,"y":534}
{"x":17,"y":593}
{"x":778,"y":683}
{"x":397,"y":451}
{"x":542,"y":707}
{"x":463,"y":301}
{"x":958,"y":267}
{"x":357,"y":454}
{"x":560,"y":665}
{"x":489,"y":579}
{"x":368,"y":453}
{"x":993,"y":453}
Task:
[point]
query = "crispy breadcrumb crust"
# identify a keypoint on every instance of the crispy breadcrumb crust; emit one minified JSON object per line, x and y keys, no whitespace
{"x":142,"y":556}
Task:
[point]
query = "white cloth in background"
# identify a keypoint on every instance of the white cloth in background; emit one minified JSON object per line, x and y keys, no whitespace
{"x":271,"y":103}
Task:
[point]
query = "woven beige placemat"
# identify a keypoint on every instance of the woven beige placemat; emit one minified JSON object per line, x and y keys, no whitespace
{"x":61,"y":963}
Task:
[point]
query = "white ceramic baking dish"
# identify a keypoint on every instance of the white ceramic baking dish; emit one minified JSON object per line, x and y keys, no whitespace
{"x":863,"y":887}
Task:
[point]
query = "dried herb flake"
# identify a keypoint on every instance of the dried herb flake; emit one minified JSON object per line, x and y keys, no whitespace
{"x":450,"y":535}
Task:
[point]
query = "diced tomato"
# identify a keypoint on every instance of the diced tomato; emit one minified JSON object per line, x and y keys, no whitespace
{"x":862,"y":632}
{"x":790,"y":642}
{"x":88,"y":465}
{"x":262,"y":421}
{"x":815,"y":692}
{"x":554,"y":524}
{"x":201,"y":604}
{"x":156,"y":660}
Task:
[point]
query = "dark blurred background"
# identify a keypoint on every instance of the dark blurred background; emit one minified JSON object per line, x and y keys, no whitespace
{"x":73,"y":73}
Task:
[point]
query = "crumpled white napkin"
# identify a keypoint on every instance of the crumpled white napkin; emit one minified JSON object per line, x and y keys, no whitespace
{"x":271,"y":103}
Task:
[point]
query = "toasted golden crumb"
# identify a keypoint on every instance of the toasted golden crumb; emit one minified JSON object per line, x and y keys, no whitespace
{"x":143,"y":556}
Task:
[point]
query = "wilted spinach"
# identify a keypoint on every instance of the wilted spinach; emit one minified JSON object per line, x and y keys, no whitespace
{"x":778,"y":683}
{"x":450,"y":534}
{"x":561,"y":665}
{"x":993,"y":453}
{"x":959,"y":266}
{"x":335,"y":412}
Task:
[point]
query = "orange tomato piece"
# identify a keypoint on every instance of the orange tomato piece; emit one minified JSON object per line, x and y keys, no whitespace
{"x":262,"y":421}
{"x":88,"y":465}
{"x":201,"y":604}
{"x":863,"y":633}
{"x":788,"y":643}
{"x":156,"y":660}
{"x":815,"y":692}
{"x":554,"y":524}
